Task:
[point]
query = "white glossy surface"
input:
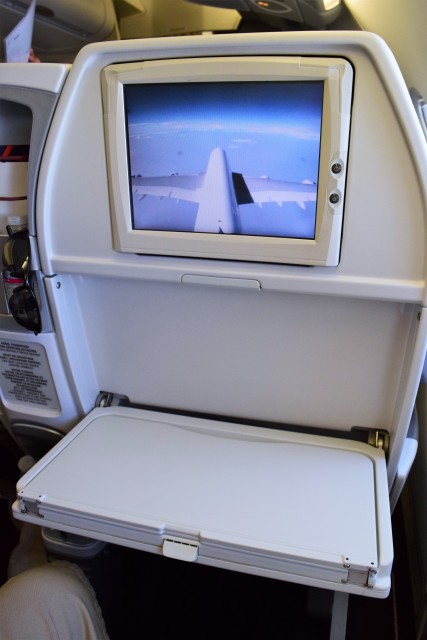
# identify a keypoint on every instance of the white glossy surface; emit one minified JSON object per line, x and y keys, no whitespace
{"x":303,"y":498}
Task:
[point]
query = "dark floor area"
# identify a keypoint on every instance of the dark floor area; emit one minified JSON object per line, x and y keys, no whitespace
{"x":169,"y":596}
{"x":140,"y":591}
{"x":9,"y":456}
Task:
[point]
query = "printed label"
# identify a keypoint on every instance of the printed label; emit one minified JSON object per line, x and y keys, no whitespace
{"x":25,"y":375}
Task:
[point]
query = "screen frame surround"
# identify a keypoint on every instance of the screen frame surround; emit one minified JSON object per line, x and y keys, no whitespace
{"x":324,"y":249}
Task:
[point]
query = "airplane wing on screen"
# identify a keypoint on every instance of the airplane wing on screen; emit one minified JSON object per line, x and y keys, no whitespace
{"x":263,"y":190}
{"x":174,"y":186}
{"x":217,"y":178}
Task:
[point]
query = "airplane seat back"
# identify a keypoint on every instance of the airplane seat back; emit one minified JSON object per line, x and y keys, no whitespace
{"x":339,"y":338}
{"x":317,"y":349}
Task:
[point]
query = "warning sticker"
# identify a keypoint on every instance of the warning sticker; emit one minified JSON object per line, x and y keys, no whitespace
{"x":25,"y":375}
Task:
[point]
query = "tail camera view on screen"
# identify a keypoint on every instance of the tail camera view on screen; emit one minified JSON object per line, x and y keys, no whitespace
{"x":235,"y":158}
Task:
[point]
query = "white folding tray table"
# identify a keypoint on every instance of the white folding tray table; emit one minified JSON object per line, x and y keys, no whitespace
{"x":309,"y":509}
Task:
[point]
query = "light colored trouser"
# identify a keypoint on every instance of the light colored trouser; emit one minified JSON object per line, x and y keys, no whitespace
{"x":52,"y":602}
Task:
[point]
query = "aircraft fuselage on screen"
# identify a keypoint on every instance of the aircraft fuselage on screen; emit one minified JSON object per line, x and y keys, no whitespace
{"x":219,"y":192}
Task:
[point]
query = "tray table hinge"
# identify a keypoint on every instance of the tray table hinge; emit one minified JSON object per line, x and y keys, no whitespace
{"x":110,"y":399}
{"x":30,"y":505}
{"x":378,"y":438}
{"x":360,"y":577}
{"x":180,"y":549}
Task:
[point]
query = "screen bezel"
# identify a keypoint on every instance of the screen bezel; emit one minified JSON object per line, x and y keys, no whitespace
{"x":324,"y":249}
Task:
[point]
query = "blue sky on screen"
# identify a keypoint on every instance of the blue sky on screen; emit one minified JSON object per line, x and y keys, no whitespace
{"x":266,"y":129}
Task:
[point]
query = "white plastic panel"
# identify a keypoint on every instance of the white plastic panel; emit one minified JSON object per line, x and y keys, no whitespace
{"x":249,"y":354}
{"x":384,"y":177}
{"x":46,"y":77}
{"x":282,"y":498}
{"x":35,"y":382}
{"x":320,"y":347}
{"x":34,"y":386}
{"x":310,"y":346}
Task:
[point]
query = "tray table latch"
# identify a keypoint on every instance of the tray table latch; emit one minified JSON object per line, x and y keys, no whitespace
{"x":180,"y":549}
{"x":360,"y":577}
{"x":30,"y":504}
